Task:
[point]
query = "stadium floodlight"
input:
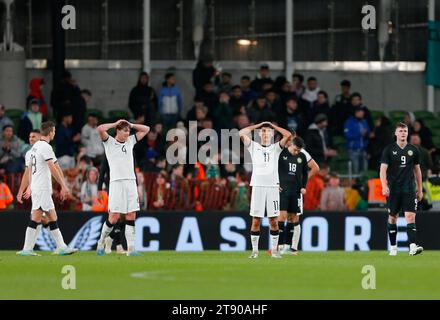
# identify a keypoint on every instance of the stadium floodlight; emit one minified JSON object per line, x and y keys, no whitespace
{"x":246,"y":42}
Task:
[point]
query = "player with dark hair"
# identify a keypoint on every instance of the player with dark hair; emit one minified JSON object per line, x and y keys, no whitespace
{"x":401,"y":180}
{"x":292,"y":168}
{"x":265,"y":181}
{"x":123,"y":194}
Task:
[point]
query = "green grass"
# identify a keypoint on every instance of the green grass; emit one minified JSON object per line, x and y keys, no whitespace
{"x":220,"y":275}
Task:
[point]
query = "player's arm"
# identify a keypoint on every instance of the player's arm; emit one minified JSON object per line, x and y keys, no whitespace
{"x":103,"y":128}
{"x":141,"y":130}
{"x":314,"y":168}
{"x":304,"y":177}
{"x":24,"y":184}
{"x":59,"y":177}
{"x":285,"y":133}
{"x":383,"y":179}
{"x":245,"y":132}
{"x":419,"y":183}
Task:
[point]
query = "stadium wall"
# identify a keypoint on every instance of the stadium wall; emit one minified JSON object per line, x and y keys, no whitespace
{"x":226,"y":231}
{"x":111,"y":83}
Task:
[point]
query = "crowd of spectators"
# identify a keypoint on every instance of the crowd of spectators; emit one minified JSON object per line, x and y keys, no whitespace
{"x":220,"y":102}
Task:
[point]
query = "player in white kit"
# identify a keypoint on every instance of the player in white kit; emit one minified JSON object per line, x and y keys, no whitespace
{"x":41,"y":165}
{"x":265,"y":181}
{"x":123,"y":194}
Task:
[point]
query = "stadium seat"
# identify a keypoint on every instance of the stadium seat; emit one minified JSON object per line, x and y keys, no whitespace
{"x":338,"y":141}
{"x":424,"y":114}
{"x":376,"y":114}
{"x":114,"y":115}
{"x":397,"y":115}
{"x":14,"y":113}
{"x":436,"y":140}
{"x":98,"y":112}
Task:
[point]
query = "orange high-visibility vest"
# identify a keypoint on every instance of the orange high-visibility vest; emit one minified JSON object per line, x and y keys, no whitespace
{"x":100,"y":203}
{"x":6,"y":197}
{"x":375,"y":192}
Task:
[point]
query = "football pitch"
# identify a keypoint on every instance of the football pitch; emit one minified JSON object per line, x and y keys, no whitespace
{"x":221,"y":275}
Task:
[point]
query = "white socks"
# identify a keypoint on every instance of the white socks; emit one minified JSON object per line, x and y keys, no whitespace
{"x":130,"y":237}
{"x":106,"y":230}
{"x":274,"y":237}
{"x":296,"y":236}
{"x":58,"y":237}
{"x":30,"y":237}
{"x":255,"y":237}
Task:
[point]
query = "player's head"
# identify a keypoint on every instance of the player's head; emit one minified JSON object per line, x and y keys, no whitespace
{"x":296,"y":145}
{"x":122,"y":131}
{"x":34,"y":136}
{"x":266,"y":134}
{"x":48,"y":130}
{"x":401,"y":132}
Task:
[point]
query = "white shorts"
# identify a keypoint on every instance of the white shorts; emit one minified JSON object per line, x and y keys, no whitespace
{"x":42,"y":200}
{"x":123,"y":197}
{"x":265,"y":199}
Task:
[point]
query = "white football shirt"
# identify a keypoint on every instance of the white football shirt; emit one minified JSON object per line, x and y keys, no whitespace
{"x":36,"y":159}
{"x":120,"y":158}
{"x":264,"y":164}
{"x":308,"y":156}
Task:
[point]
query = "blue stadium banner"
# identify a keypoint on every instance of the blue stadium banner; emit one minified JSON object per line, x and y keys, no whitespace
{"x":433,"y":62}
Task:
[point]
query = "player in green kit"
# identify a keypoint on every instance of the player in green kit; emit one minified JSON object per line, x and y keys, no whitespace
{"x":401,"y":179}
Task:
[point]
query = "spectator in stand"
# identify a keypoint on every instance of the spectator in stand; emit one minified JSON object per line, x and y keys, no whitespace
{"x":89,"y":189}
{"x":170,"y":101}
{"x":160,"y":190}
{"x":315,"y":187}
{"x":381,"y":136}
{"x":223,"y":113}
{"x":191,"y":114}
{"x":142,"y":99}
{"x":426,"y":164}
{"x":333,"y":196}
{"x":409,"y":120}
{"x":225,"y":84}
{"x":203,"y":73}
{"x":318,"y":140}
{"x":248,"y":93}
{"x":341,"y":109}
{"x":356,"y":101}
{"x":273,"y":101}
{"x":310,"y":94}
{"x":320,"y":106}
{"x":241,"y":121}
{"x":142,"y":191}
{"x":237,"y":100}
{"x":30,"y":120}
{"x":4,"y":120}
{"x":208,"y":96}
{"x":79,"y":115}
{"x":35,"y":93}
{"x":11,"y":160}
{"x":285,"y":92}
{"x":263,"y":78}
{"x":66,"y":97}
{"x":6,"y":196}
{"x":425,"y":135}
{"x":357,"y":133}
{"x":65,"y":142}
{"x":260,"y":110}
{"x":298,"y":85}
{"x":290,"y":118}
{"x":91,"y":140}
